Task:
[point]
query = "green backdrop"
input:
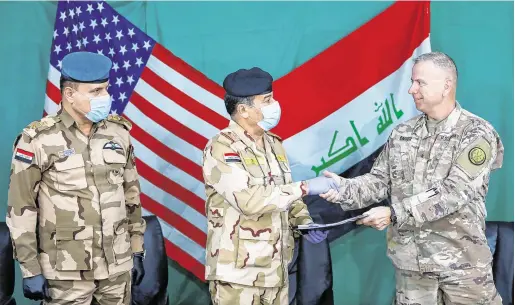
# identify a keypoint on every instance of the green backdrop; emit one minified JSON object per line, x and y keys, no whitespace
{"x":278,"y":36}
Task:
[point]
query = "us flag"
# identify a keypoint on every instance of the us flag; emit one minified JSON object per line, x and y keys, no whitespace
{"x":174,"y":110}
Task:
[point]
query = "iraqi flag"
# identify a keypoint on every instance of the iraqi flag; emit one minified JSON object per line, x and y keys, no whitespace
{"x":338,"y":107}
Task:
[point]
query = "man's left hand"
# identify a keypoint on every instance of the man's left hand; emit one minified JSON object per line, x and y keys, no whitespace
{"x":316,"y":236}
{"x":378,"y":218}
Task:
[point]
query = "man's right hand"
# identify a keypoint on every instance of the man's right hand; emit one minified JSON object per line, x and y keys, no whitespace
{"x":36,"y":288}
{"x":322,"y":184}
{"x":332,"y":195}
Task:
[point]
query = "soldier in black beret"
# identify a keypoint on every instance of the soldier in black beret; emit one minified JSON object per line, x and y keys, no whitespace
{"x":252,"y":202}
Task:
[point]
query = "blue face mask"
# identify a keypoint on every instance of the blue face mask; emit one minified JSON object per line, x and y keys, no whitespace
{"x":271,"y":116}
{"x":100,"y":107}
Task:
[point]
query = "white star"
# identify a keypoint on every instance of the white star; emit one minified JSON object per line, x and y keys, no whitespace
{"x":78,"y":45}
{"x":85,"y":41}
{"x":68,"y":46}
{"x":130,"y":80}
{"x":57,"y":49}
{"x":115,"y":20}
{"x":126,"y":65}
{"x":75,"y":29}
{"x":146,"y":45}
{"x":93,"y":23}
{"x":122,"y":97}
{"x":66,"y":32}
{"x":113,"y":111}
{"x":104,"y":22}
{"x":139,"y":62}
{"x":96,"y":39}
{"x":115,"y":67}
{"x":63,"y":16}
{"x":59,"y":64}
{"x":81,"y":26}
{"x":123,"y":50}
{"x":111,"y":52}
{"x":131,"y":32}
{"x":100,"y":7}
{"x":55,"y":34}
{"x":135,"y":47}
{"x":71,"y":13}
{"x":100,"y":52}
{"x":119,"y":34}
{"x":108,"y":37}
{"x":119,"y":81}
{"x":78,"y":11}
{"x":90,"y":8}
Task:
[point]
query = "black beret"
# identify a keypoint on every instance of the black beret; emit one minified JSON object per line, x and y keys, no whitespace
{"x":86,"y":67}
{"x":250,"y":82}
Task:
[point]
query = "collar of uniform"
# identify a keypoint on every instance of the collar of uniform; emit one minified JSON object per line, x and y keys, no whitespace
{"x":65,"y":117}
{"x":445,"y":126}
{"x":242,"y":134}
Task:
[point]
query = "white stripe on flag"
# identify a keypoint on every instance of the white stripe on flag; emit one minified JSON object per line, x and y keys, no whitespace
{"x":175,"y":111}
{"x":168,"y":170}
{"x":173,"y":204}
{"x":162,"y":134}
{"x":186,"y":86}
{"x":180,"y":240}
{"x":50,"y":106}
{"x":361,"y":110}
{"x":53,"y":76}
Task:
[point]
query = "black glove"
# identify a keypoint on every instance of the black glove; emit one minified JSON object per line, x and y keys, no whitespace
{"x":36,"y":288}
{"x":138,"y":271}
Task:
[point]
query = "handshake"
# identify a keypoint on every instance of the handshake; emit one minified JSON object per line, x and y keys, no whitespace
{"x":326,"y":186}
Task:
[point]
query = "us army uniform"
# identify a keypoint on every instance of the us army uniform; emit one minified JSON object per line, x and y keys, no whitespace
{"x":437,"y":180}
{"x":251,"y":206}
{"x":74,"y":211}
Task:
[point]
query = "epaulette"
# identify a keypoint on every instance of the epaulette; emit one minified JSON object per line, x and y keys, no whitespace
{"x":119,"y":120}
{"x":34,"y":128}
{"x":227,"y":138}
{"x":274,"y":135}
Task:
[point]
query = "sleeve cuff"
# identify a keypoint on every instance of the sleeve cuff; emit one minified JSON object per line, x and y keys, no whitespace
{"x":30,"y":268}
{"x":400,"y":213}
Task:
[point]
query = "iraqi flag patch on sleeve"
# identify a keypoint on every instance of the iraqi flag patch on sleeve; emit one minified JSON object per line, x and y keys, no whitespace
{"x":232,"y":158}
{"x":23,"y":156}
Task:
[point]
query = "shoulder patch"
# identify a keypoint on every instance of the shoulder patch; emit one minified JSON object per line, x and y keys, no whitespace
{"x":120,"y":120}
{"x":227,"y":137}
{"x":36,"y":127}
{"x":475,"y":158}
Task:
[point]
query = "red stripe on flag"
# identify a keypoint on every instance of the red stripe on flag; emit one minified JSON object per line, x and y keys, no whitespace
{"x":171,"y":187}
{"x":351,"y":66}
{"x":184,"y":100}
{"x":174,"y":220}
{"x":25,"y":152}
{"x":168,"y":122}
{"x":187,"y":71}
{"x":53,"y":92}
{"x":185,"y":260}
{"x":166,"y":153}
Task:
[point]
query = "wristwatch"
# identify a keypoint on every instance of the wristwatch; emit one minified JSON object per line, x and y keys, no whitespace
{"x":393,"y":217}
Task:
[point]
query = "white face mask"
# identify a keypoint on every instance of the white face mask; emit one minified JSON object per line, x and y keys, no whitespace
{"x":271,"y":116}
{"x":100,"y":107}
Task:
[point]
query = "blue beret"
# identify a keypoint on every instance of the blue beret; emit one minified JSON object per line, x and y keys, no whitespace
{"x":86,"y":67}
{"x":248,"y":82}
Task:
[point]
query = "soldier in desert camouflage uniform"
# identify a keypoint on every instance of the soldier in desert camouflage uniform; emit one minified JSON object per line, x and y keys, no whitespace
{"x":252,"y":202}
{"x":74,"y":210}
{"x":435,"y":168}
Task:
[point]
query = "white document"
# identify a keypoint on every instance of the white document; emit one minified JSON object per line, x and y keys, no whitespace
{"x":328,"y":225}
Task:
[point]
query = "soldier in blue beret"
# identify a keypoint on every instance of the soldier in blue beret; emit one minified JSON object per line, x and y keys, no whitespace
{"x":74,"y":197}
{"x":252,"y":202}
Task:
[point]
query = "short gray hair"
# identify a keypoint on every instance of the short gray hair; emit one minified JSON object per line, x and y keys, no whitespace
{"x":441,"y":60}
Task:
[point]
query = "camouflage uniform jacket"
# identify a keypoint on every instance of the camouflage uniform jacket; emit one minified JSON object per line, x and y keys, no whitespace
{"x":437,"y":183}
{"x":73,"y":204}
{"x":251,"y":205}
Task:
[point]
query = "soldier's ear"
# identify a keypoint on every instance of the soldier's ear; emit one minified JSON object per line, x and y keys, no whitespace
{"x":243,"y":111}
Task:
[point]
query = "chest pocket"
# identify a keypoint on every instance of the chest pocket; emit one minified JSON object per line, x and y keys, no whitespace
{"x":254,"y":165}
{"x":70,"y":173}
{"x":115,"y":161}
